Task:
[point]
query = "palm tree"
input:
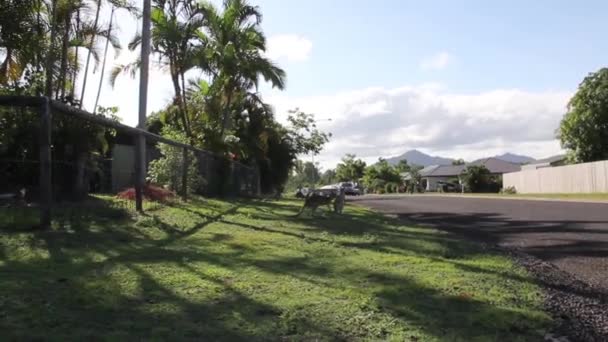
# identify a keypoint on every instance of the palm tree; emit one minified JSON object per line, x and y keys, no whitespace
{"x":18,"y":38}
{"x":105,"y":56}
{"x":124,"y":4}
{"x":234,"y":45}
{"x":75,"y":33}
{"x":176,"y":27}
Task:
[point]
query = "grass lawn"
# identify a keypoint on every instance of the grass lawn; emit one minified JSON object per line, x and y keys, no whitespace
{"x":569,"y":197}
{"x":246,"y":270}
{"x":587,"y":197}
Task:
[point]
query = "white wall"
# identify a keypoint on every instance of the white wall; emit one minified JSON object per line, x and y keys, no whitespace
{"x":432,"y":182}
{"x":577,"y":178}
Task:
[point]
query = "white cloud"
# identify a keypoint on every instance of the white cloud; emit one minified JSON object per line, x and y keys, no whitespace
{"x":436,"y":62}
{"x":291,"y":47}
{"x":385,"y":122}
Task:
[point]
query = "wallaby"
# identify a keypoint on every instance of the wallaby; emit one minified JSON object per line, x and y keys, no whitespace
{"x":319,"y":198}
{"x":339,"y":201}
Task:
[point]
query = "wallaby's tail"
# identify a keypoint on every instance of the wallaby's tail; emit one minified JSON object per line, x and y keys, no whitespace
{"x":301,"y":210}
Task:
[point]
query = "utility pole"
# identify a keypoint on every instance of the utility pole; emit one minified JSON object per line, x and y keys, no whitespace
{"x":140,"y":154}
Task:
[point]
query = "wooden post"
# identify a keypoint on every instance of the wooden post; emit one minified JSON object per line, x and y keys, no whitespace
{"x":140,"y":160}
{"x":140,"y":153}
{"x":185,"y":174}
{"x":46,"y":188}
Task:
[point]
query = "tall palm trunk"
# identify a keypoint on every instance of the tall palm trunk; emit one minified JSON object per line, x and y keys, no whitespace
{"x":226,"y":116}
{"x":75,"y":71}
{"x":4,"y":66}
{"x":185,"y":100}
{"x":90,"y":47}
{"x":105,"y":56}
{"x":39,"y":31}
{"x":64,"y":56}
{"x":179,"y":100}
{"x":178,"y":94}
{"x":50,"y":61}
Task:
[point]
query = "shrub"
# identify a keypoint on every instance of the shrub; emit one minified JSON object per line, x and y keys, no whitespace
{"x":167,"y":170}
{"x":391,"y":187}
{"x":476,"y":178}
{"x":151,"y":192}
{"x":510,"y":190}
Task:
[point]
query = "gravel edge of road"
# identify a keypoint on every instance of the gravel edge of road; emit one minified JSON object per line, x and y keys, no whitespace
{"x":579,"y":310}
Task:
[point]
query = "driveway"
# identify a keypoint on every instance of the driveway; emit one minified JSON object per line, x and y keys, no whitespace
{"x":572,"y":236}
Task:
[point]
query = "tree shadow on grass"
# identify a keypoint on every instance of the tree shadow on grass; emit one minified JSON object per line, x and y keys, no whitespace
{"x":76,"y":294}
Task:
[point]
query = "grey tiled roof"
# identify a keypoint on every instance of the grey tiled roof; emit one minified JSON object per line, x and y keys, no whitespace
{"x":496,"y":166}
{"x":550,"y":160}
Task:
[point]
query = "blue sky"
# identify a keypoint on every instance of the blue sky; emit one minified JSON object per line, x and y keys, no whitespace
{"x":531,"y":45}
{"x":463,"y":79}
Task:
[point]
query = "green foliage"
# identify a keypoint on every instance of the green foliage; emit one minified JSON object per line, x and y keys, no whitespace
{"x":382,"y":177}
{"x":477,"y":178}
{"x":257,"y":275}
{"x":328,"y":177}
{"x":458,"y":162}
{"x":168,"y":170}
{"x":303,"y":133}
{"x":403,"y":166}
{"x":78,"y":145}
{"x":510,"y":190}
{"x":414,"y":184}
{"x":584,"y":129}
{"x":350,"y":169}
{"x":304,"y":174}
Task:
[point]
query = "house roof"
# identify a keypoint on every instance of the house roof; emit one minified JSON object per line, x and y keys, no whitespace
{"x":428,"y":170}
{"x":496,"y":166}
{"x":447,"y":170}
{"x":550,"y":160}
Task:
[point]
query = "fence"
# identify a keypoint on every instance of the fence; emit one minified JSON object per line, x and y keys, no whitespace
{"x":54,"y":157}
{"x":577,"y":178}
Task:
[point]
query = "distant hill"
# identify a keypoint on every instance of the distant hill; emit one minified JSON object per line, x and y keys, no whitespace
{"x":415,"y":157}
{"x":515,"y":158}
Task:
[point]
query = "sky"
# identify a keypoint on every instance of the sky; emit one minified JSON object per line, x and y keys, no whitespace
{"x":461,"y":79}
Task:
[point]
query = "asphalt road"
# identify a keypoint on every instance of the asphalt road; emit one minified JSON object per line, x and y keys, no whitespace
{"x":573,"y":236}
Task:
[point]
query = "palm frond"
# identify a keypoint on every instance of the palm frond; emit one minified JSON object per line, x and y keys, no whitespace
{"x":135,"y":41}
{"x":130,"y":68}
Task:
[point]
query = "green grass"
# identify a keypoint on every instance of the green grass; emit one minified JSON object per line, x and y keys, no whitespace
{"x":246,"y":270}
{"x":570,"y":197}
{"x":588,"y":197}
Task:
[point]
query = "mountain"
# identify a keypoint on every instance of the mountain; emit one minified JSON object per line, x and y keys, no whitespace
{"x":515,"y":158}
{"x":415,"y":157}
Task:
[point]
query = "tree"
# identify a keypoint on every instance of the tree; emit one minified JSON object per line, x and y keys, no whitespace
{"x":176,"y":29}
{"x":402,"y":166}
{"x":304,"y":173}
{"x":584,"y":129}
{"x":116,"y":4}
{"x":459,"y":161}
{"x":476,"y":178}
{"x":233,"y":47}
{"x":19,"y":32}
{"x":382,"y":177}
{"x":168,"y":169}
{"x":350,"y":169}
{"x":328,"y":177}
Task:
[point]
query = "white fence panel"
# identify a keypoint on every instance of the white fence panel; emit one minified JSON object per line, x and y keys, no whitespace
{"x":577,"y":178}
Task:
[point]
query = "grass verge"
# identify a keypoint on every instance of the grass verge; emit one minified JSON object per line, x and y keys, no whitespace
{"x":247,"y":270}
{"x":600,"y":197}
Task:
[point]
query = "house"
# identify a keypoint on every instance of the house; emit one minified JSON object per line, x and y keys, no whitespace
{"x":554,"y":161}
{"x":432,"y":175}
